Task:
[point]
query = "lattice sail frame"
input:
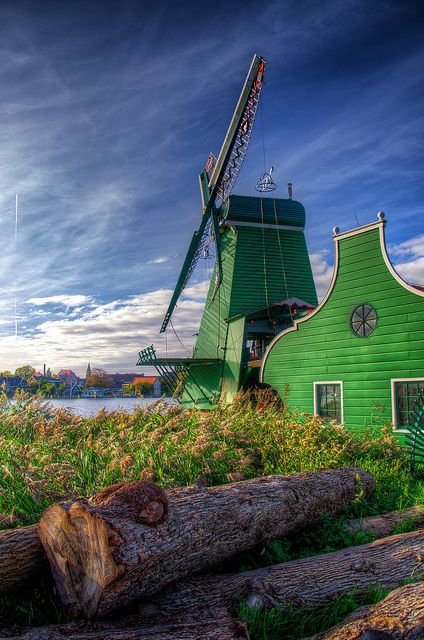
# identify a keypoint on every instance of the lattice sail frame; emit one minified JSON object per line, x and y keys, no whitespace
{"x":241,"y":142}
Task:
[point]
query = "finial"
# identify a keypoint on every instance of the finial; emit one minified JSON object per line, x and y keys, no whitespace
{"x":336,"y":230}
{"x":381,"y":215}
{"x":290,"y":190}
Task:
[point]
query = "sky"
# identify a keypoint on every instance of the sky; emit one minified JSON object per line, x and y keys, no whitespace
{"x":108,"y":112}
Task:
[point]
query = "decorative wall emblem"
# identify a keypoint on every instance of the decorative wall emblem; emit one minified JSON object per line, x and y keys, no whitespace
{"x":363,"y":320}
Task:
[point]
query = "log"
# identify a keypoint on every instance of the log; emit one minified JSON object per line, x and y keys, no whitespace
{"x":203,"y":625}
{"x":102,"y":559}
{"x":310,"y":582}
{"x":400,"y":615}
{"x":383,"y":525}
{"x":21,"y":558}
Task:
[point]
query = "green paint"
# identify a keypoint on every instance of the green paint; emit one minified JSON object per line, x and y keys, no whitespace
{"x":261,"y":265}
{"x":323,"y":347}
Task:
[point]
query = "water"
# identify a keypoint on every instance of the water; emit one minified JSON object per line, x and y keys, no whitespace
{"x":91,"y":406}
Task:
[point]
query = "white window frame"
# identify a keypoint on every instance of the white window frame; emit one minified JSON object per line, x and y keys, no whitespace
{"x":340,"y":382}
{"x":393,"y":392}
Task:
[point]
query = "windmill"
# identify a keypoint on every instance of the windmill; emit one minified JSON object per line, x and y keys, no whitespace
{"x":262,"y":274}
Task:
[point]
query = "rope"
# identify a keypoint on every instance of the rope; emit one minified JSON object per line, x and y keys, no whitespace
{"x":264,"y":257}
{"x":176,"y":335}
{"x":261,"y":107}
{"x":281,"y":258}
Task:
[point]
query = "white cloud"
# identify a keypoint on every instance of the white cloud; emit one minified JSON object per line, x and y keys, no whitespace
{"x":412,"y":247}
{"x":159,"y":260}
{"x":66,"y":300}
{"x":110,"y":335}
{"x":322,"y":272}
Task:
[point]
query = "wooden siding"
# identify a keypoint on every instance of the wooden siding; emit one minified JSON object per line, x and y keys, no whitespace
{"x":266,"y":210}
{"x":323,"y":347}
{"x":260,"y":266}
{"x":264,"y":274}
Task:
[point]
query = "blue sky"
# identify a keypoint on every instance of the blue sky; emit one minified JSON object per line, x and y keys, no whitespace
{"x":107,"y":114}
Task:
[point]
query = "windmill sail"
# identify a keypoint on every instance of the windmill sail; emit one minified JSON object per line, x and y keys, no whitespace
{"x":193,"y":254}
{"x":224,"y":175}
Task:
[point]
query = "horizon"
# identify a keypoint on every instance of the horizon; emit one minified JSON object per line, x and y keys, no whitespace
{"x":109,"y":114}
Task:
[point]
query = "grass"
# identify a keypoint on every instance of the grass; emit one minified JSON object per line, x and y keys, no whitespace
{"x":49,"y":454}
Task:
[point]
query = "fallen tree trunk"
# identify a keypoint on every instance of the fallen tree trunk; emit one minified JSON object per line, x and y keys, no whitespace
{"x":205,"y":625}
{"x":383,"y":525}
{"x":309,"y":582}
{"x":400,"y":615}
{"x":21,"y":557}
{"x":102,"y":557}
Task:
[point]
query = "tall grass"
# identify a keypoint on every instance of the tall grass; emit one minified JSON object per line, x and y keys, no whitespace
{"x":49,"y":454}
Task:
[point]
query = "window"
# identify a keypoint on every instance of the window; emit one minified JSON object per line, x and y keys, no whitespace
{"x":363,"y":320}
{"x":328,"y":400}
{"x":405,"y":395}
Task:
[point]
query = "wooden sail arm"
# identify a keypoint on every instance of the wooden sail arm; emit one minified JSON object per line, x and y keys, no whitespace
{"x":190,"y":262}
{"x":239,"y":128}
{"x":223,"y":177}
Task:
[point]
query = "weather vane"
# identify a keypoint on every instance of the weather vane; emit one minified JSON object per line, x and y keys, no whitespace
{"x":265,"y":182}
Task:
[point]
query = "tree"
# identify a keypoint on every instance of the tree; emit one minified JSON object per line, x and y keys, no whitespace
{"x":143,"y":388}
{"x":25,"y":371}
{"x":98,"y":378}
{"x":6,"y":374}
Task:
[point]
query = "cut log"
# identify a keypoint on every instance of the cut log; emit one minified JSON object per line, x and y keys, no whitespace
{"x":383,"y":525}
{"x":102,"y":558}
{"x":309,"y":582}
{"x":21,"y":557}
{"x":400,"y":615}
{"x":204,"y":625}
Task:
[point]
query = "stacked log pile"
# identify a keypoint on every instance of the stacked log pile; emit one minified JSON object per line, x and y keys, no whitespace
{"x":135,"y":543}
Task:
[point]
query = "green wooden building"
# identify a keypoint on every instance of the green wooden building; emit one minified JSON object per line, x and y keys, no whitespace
{"x":358,"y":357}
{"x":262,"y":278}
{"x":267,"y":278}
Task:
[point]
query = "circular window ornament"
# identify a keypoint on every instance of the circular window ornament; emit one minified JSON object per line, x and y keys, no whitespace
{"x":363,"y":320}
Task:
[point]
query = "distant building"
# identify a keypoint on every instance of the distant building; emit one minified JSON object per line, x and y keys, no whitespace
{"x":12,"y":384}
{"x":93,"y":392}
{"x":154,"y":381}
{"x":72,"y":382}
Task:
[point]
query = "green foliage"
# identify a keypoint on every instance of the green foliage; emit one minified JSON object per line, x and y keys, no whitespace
{"x":297,"y":622}
{"x":140,"y":389}
{"x":49,"y":454}
{"x":98,"y":378}
{"x":25,"y":371}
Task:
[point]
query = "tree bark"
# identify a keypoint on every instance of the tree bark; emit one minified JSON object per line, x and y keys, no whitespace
{"x":102,"y":559}
{"x":383,"y":525}
{"x":400,"y":615}
{"x":309,"y":582}
{"x":204,"y":625}
{"x":21,"y":557}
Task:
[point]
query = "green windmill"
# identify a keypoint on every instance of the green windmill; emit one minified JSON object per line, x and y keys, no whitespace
{"x":262,"y":277}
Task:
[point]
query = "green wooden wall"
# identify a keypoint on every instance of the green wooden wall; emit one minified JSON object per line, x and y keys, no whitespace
{"x":323,"y":347}
{"x":261,"y":264}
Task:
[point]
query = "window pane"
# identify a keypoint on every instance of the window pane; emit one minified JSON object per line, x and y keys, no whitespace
{"x":407,"y":398}
{"x":329,"y":401}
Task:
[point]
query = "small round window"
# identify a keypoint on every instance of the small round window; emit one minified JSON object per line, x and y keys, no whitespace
{"x":363,"y":320}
